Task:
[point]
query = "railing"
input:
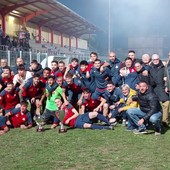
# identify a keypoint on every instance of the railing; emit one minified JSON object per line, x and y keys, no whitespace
{"x":44,"y":58}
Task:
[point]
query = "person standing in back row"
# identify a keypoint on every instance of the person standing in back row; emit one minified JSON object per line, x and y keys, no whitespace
{"x":157,"y":72}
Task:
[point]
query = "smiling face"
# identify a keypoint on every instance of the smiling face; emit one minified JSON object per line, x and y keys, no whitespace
{"x":46,"y":73}
{"x":23,"y":108}
{"x":54,"y":66}
{"x":19,"y":61}
{"x":112,"y":56}
{"x":58,"y":103}
{"x":97,"y":64}
{"x":36,"y":80}
{"x":128,"y":63}
{"x":61,"y":66}
{"x":125,"y":91}
{"x":143,"y":87}
{"x":86,"y":95}
{"x":74,"y":63}
{"x":110,"y":87}
{"x":138,"y":66}
{"x":93,"y":57}
{"x":9,"y":87}
{"x":131,"y":55}
{"x":50,"y":81}
{"x":146,"y":58}
{"x":155,"y":59}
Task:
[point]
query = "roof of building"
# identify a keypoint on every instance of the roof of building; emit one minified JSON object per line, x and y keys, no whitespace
{"x":50,"y":14}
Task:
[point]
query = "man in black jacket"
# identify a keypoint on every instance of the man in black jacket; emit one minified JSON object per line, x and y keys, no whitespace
{"x":150,"y":110}
{"x":157,"y":79}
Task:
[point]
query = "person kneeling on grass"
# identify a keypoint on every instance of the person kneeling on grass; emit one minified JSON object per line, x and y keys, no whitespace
{"x":150,"y":110}
{"x":84,"y":121}
{"x":20,"y":117}
{"x":3,"y":127}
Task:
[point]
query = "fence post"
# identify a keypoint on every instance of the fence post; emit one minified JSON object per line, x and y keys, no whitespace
{"x":46,"y":59}
{"x":20,"y":54}
{"x":30,"y":53}
{"x":9,"y":58}
{"x":38,"y":57}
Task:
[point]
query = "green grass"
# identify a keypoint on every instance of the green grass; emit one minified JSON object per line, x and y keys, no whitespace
{"x":83,"y":149}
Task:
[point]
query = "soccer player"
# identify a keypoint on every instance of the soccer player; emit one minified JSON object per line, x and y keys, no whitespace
{"x":72,"y":86}
{"x":3,"y":127}
{"x":22,"y":77}
{"x":74,"y":120}
{"x":9,"y":97}
{"x":72,"y":68}
{"x":89,"y":83}
{"x":32,"y":91}
{"x":51,"y":107}
{"x":90,"y":104}
{"x":54,"y":67}
{"x":61,"y":69}
{"x":20,"y":117}
{"x":6,"y":77}
{"x":45,"y":75}
{"x":112,"y":96}
{"x":36,"y":68}
{"x":101,"y":78}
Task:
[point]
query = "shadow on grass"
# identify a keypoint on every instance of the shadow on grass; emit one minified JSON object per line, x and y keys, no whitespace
{"x":165,"y":129}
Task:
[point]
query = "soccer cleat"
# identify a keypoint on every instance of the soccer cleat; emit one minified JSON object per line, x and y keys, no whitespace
{"x":140,"y":132}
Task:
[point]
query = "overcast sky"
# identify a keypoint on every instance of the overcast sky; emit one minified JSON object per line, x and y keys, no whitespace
{"x":129,"y":16}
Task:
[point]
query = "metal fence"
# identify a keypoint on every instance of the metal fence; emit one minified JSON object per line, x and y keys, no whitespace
{"x":43,"y":58}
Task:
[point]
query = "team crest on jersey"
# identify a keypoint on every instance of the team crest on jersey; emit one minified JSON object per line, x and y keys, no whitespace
{"x":7,"y":96}
{"x":23,"y":119}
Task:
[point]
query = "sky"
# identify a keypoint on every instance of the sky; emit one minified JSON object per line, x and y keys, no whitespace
{"x":128,"y":17}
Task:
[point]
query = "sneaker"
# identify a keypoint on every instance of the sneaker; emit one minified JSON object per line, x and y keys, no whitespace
{"x":111,"y":127}
{"x":140,"y":131}
{"x":113,"y":123}
{"x":124,"y":123}
{"x":157,"y":133}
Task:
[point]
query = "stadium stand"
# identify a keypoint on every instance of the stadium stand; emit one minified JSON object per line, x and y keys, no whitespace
{"x":41,"y":28}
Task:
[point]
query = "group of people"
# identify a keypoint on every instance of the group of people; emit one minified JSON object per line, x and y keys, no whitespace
{"x":96,"y":94}
{"x":18,"y":43}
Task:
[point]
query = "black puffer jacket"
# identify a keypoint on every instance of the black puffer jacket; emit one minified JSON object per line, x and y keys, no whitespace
{"x":157,"y":82}
{"x":149,"y":103}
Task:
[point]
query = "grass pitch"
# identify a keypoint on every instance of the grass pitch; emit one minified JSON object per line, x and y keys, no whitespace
{"x":83,"y":149}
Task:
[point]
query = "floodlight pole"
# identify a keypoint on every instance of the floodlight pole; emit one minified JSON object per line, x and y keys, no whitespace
{"x":109,"y":29}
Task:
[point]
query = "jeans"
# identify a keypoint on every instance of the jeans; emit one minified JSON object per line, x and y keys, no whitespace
{"x":135,"y":114}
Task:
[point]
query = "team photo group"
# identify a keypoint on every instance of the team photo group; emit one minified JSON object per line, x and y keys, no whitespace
{"x":92,"y":94}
